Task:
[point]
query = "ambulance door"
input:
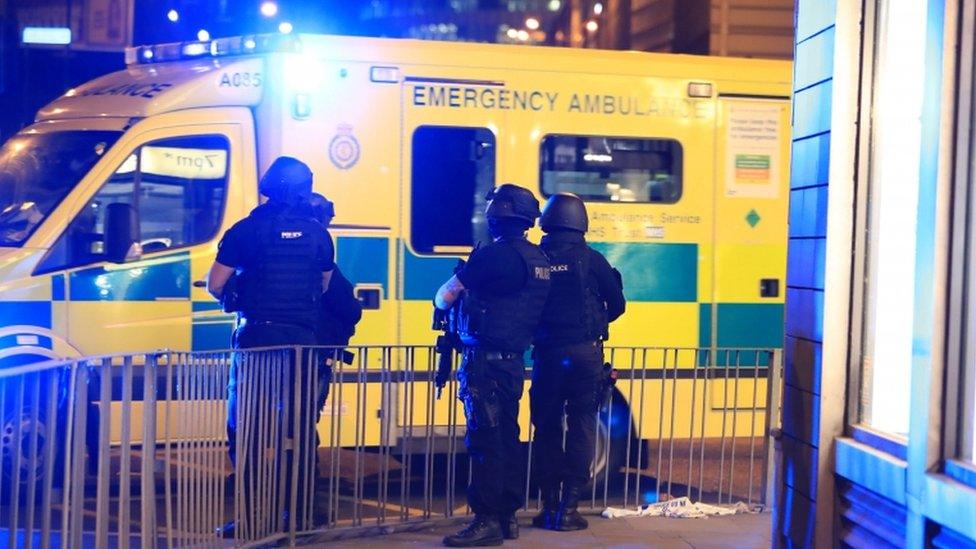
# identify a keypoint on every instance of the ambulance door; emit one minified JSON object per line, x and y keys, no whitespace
{"x":449,"y":164}
{"x":751,"y":194}
{"x":450,"y":154}
{"x":143,"y":236}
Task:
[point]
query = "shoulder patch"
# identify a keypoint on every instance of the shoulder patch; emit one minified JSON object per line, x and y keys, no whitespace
{"x":291,"y":235}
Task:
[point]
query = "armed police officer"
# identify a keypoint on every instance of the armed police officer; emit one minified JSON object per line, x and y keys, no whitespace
{"x":568,"y":372}
{"x":283,"y":260}
{"x":502,"y":289}
{"x":339,"y":310}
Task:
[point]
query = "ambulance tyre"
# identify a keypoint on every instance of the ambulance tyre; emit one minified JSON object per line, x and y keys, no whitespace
{"x":615,"y":429}
{"x":25,"y":429}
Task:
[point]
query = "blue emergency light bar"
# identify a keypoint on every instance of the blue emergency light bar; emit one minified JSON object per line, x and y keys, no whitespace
{"x":48,"y":36}
{"x":220,"y":47}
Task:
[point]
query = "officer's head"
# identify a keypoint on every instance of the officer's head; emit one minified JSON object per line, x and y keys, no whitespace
{"x":564,"y":212}
{"x":511,"y":210}
{"x":322,"y":209}
{"x":287,"y":181}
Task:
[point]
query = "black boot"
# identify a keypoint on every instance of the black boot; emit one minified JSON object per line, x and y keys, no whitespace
{"x":510,"y":527}
{"x":568,"y":518}
{"x":550,"y":505}
{"x":481,"y":532}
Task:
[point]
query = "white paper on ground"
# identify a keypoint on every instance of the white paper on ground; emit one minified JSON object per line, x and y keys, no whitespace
{"x":677,"y":508}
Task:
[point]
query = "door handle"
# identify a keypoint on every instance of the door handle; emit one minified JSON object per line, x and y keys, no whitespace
{"x":199,"y":283}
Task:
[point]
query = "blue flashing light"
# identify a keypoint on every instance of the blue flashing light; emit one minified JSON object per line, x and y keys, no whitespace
{"x":269,"y":9}
{"x":250,"y":44}
{"x":194,"y":49}
{"x":203,"y":35}
{"x":285,"y":27}
{"x":173,"y":15}
{"x":52,"y":36}
{"x":147,"y":54}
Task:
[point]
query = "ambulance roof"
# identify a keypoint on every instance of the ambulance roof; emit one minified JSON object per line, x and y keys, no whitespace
{"x":145,"y":90}
{"x":168,"y":77}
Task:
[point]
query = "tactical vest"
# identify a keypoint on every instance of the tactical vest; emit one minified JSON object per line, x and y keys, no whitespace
{"x":507,"y":322}
{"x":574,"y":311}
{"x":284,"y":283}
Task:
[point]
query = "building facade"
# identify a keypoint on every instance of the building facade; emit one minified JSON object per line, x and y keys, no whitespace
{"x":878,"y":403}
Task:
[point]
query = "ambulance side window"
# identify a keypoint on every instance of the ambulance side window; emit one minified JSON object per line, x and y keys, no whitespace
{"x":611,"y":169}
{"x":452,"y":171}
{"x":178,"y":187}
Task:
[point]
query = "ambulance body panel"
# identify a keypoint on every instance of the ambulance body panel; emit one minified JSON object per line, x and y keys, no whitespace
{"x":683,"y":162}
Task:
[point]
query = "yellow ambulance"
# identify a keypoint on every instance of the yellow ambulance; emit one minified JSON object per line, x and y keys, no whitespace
{"x":683,"y":162}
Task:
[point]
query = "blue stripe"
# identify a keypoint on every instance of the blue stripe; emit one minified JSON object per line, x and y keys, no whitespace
{"x":654,"y":272}
{"x":30,"y":313}
{"x":364,"y":260}
{"x":11,"y":341}
{"x":201,"y":306}
{"x":742,"y":326}
{"x":424,"y":275}
{"x":214,"y":336}
{"x":57,"y":287}
{"x":166,"y":277}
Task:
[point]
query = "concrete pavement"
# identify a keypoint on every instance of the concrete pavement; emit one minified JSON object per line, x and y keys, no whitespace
{"x":738,"y":531}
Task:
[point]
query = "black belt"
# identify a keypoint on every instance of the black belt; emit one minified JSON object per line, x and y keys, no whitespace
{"x":493,"y":355}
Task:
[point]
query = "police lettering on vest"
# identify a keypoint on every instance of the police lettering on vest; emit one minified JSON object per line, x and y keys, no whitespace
{"x":574,"y":313}
{"x":507,"y":322}
{"x":284,"y":282}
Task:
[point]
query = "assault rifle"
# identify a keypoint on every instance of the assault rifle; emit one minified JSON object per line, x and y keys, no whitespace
{"x":448,"y":342}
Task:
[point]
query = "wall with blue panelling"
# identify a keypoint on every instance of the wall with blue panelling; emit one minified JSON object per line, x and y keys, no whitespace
{"x":794,"y":517}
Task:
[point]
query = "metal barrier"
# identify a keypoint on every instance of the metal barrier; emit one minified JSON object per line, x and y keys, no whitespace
{"x":133,"y":449}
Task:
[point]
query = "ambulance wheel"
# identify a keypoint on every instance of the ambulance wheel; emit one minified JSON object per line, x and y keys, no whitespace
{"x":615,"y":429}
{"x":23,"y":425}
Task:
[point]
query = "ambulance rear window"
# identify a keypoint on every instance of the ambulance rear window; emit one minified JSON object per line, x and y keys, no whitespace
{"x":453,"y":168}
{"x":611,"y":169}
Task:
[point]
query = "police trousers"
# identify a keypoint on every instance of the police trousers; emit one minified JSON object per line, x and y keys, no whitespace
{"x":261,"y":417}
{"x":490,"y":388}
{"x":565,"y":380}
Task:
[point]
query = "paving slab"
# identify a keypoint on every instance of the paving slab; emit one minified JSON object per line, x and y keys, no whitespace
{"x":739,"y":531}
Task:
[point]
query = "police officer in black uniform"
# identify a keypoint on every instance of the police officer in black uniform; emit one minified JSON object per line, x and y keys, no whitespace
{"x":283,"y":260}
{"x":339,"y":310}
{"x":568,"y":373}
{"x":502,"y":288}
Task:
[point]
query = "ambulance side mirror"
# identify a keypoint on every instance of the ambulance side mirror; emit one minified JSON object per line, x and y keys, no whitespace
{"x":122,"y":233}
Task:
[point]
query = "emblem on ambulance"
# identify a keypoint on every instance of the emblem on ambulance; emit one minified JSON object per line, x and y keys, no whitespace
{"x":344,"y":148}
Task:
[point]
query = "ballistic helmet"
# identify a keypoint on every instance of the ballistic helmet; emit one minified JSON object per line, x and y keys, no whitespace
{"x":564,"y":211}
{"x":511,"y":201}
{"x":323,"y":209}
{"x":288,"y":180}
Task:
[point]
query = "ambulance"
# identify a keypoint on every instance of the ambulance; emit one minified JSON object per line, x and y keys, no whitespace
{"x":112,"y":203}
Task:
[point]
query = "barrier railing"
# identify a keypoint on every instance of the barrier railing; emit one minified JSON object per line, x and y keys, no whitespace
{"x":133,"y":449}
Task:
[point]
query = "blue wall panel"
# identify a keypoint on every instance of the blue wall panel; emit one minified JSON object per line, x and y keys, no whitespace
{"x":804,"y":313}
{"x":810,"y":161}
{"x":796,"y":511}
{"x":813,"y":16}
{"x":808,"y":212}
{"x":814,"y":60}
{"x":811,"y":110}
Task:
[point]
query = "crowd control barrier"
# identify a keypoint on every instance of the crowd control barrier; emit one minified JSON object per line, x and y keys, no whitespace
{"x":132,"y":450}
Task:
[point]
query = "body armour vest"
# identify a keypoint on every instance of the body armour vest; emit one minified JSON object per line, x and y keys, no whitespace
{"x":507,"y":322}
{"x":285,"y":282}
{"x":574,"y":311}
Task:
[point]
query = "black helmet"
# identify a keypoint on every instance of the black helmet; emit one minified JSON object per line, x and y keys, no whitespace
{"x":512,"y":201}
{"x":322,"y":207}
{"x":288,"y":180}
{"x":564,"y":211}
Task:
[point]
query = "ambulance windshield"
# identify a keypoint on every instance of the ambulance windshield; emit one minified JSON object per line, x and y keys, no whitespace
{"x":37,"y":170}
